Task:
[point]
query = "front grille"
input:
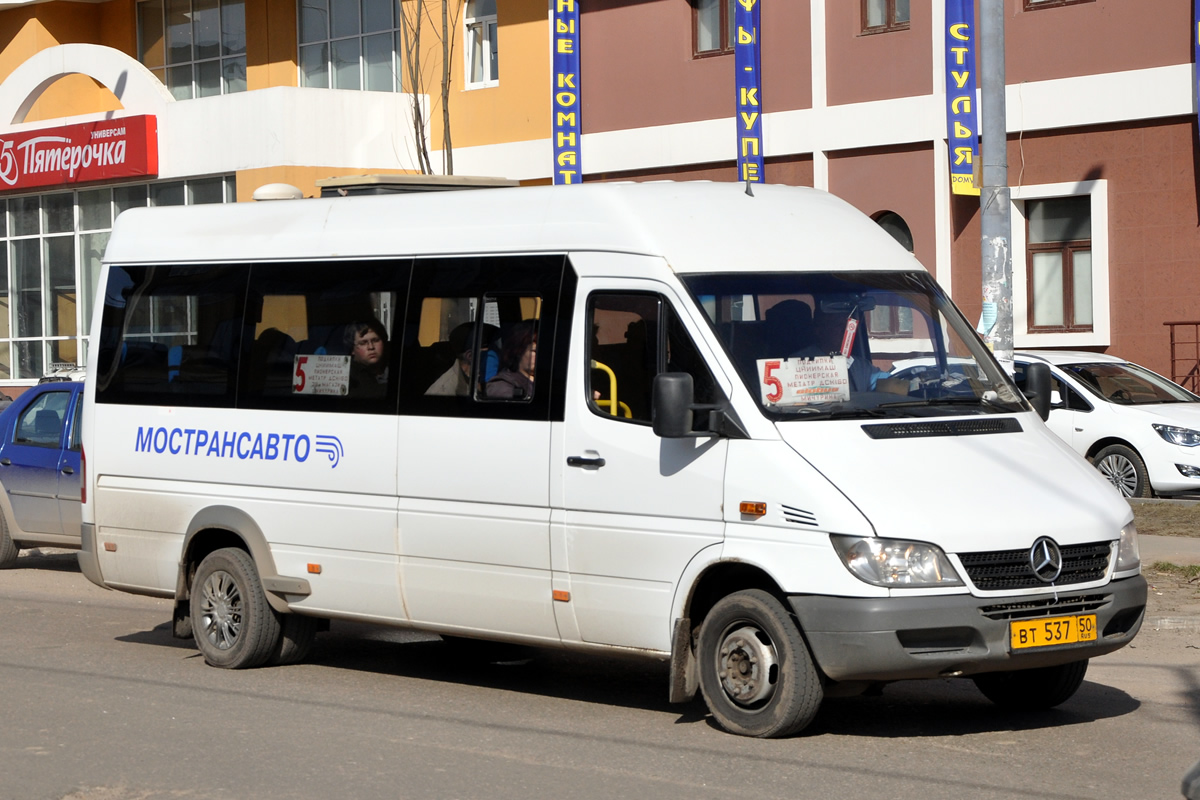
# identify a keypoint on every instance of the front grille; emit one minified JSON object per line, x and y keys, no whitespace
{"x":1005,"y":570}
{"x":1047,"y":607}
{"x":973,"y":426}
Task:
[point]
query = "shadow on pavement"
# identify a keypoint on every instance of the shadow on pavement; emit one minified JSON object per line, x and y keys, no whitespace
{"x":49,"y":560}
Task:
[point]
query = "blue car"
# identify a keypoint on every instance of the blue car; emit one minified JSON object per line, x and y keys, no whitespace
{"x":40,"y":469}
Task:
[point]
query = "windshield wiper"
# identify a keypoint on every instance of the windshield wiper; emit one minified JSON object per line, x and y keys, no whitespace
{"x":953,"y":400}
{"x":843,"y":413}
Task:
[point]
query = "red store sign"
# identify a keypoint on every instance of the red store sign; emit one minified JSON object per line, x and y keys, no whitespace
{"x":91,"y":151}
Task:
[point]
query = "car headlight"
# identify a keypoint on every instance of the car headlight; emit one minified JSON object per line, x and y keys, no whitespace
{"x":1128,"y":557}
{"x":895,"y":562}
{"x":1175,"y":435}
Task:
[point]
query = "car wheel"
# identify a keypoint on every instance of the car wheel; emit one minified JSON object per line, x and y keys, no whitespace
{"x":234,"y":625}
{"x":756,"y":674}
{"x":1032,"y":689}
{"x":296,"y":635}
{"x":1125,"y":469}
{"x":8,"y":548}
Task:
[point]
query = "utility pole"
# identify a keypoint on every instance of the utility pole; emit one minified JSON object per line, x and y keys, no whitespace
{"x":996,"y":323}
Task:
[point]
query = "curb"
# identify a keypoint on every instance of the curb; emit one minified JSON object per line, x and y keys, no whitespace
{"x":1172,"y":623}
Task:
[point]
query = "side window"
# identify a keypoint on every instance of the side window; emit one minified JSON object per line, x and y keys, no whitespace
{"x":478,"y":338}
{"x":881,"y":16}
{"x":76,"y":442}
{"x":633,"y":338}
{"x":170,"y":335}
{"x":41,"y":424}
{"x":482,"y":43}
{"x":1060,"y":264}
{"x":319,"y":336}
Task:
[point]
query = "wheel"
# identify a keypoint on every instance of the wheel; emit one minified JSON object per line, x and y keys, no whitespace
{"x":756,"y":674}
{"x":1125,"y":469}
{"x":233,"y":624}
{"x":1032,"y":689}
{"x":8,"y":548}
{"x":296,"y":635}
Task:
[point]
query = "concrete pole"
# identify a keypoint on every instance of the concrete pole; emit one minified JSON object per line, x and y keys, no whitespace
{"x":994,"y":196}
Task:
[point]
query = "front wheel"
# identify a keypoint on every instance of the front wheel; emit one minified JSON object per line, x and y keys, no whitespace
{"x":756,"y":674}
{"x":1033,"y":689}
{"x":234,"y":625}
{"x":1125,"y":469}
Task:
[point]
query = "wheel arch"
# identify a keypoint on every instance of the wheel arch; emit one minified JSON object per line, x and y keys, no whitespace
{"x":1109,"y":441}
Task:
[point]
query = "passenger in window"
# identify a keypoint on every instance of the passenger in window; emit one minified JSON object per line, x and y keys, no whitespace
{"x":518,"y":356}
{"x":456,"y":381}
{"x":367,"y":342}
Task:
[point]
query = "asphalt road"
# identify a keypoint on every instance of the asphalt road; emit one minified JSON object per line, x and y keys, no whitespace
{"x":100,"y":703}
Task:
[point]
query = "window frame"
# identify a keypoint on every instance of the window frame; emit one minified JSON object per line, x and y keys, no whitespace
{"x":486,"y":23}
{"x":397,"y":51}
{"x":725,"y":24}
{"x":1100,"y":334}
{"x":1038,"y":5}
{"x":162,"y":71}
{"x":890,"y":23}
{"x":1067,"y":250}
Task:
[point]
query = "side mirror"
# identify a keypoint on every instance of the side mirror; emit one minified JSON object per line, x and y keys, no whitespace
{"x":671,"y":405}
{"x":1037,"y":388}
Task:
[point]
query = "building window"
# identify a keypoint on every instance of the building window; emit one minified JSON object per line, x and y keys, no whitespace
{"x":50,"y":250}
{"x":197,"y":48}
{"x":1059,"y":264}
{"x":880,"y":16}
{"x":1033,"y":5}
{"x":350,"y":44}
{"x":712,"y":26}
{"x":482,"y":40}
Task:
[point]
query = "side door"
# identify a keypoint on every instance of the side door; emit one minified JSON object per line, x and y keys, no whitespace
{"x":1070,"y":414}
{"x":29,"y":467}
{"x":70,"y":475}
{"x":636,"y":508}
{"x":477,"y":381}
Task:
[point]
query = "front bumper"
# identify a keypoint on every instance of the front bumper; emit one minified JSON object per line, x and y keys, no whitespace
{"x":89,"y":565}
{"x":897,"y":638}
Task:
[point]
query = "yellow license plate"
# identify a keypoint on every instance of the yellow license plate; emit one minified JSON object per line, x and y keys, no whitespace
{"x":1051,"y":631}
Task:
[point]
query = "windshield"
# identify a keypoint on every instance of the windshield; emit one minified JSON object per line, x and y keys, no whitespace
{"x":820,"y":345}
{"x":1129,"y":384}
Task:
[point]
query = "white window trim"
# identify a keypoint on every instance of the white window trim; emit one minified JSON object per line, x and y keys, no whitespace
{"x":468,"y":84}
{"x":1100,"y":335}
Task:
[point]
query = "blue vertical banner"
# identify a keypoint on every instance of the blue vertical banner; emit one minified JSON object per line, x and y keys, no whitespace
{"x":749,"y":103}
{"x":567,"y":131}
{"x":962,"y":118}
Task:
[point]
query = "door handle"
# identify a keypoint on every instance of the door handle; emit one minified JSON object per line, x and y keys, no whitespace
{"x":580,"y":461}
{"x":68,"y":471}
{"x":6,"y":462}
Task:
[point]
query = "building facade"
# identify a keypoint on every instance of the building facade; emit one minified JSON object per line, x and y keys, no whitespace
{"x":1101,"y":121}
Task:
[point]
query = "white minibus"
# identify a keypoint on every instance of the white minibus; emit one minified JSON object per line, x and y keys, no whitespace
{"x":662,"y":419}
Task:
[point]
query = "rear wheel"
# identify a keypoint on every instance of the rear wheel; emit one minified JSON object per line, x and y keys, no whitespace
{"x":1125,"y":469}
{"x":234,"y":625}
{"x":756,"y":674}
{"x":8,"y":548}
{"x":1033,"y":689}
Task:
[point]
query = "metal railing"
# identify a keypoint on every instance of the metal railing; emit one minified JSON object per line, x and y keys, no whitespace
{"x":1185,"y":354}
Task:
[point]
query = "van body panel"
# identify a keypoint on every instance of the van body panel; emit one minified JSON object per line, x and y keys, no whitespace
{"x":929,"y":484}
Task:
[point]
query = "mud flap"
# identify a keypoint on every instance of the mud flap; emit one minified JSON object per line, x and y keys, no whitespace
{"x":685,"y":679}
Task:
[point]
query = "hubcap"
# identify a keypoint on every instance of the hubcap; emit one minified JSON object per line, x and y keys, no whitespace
{"x":747,"y":665}
{"x":221,"y":610}
{"x":1121,"y":472}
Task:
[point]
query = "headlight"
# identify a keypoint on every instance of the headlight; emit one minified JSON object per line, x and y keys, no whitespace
{"x":1182,"y":436}
{"x":894,"y":562}
{"x":1128,"y":556}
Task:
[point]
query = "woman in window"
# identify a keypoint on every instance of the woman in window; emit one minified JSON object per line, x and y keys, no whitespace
{"x":518,"y":355}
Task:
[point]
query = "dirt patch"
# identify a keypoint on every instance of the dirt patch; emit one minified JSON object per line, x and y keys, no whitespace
{"x":1173,"y":592}
{"x":1167,"y":517}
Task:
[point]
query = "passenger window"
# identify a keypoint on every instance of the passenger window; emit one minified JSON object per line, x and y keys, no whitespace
{"x":319,"y":336}
{"x":41,"y":424}
{"x":633,"y":338}
{"x":475,"y":344}
{"x":170,"y":335}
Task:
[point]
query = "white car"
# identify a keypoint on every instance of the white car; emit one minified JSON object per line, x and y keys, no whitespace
{"x":1141,"y":430}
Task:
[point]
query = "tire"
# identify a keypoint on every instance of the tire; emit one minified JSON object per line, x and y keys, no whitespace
{"x":234,"y":626}
{"x":1125,"y":469}
{"x":296,"y":635}
{"x":8,"y":548}
{"x":1032,"y":689}
{"x":756,"y":674}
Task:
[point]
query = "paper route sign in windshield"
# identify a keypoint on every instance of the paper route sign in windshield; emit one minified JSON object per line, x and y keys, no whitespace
{"x":802,"y":381}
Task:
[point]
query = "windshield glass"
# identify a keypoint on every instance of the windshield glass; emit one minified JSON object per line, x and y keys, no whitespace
{"x":820,"y":345}
{"x":1129,"y":384}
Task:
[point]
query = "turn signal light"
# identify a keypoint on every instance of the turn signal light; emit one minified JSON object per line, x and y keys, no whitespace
{"x":314,"y":569}
{"x":752,"y":509}
{"x":561,"y":596}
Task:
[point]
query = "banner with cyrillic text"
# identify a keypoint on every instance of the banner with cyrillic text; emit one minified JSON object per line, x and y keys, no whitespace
{"x":962,"y":118}
{"x":567,"y":131}
{"x":747,"y":58}
{"x":126,"y":147}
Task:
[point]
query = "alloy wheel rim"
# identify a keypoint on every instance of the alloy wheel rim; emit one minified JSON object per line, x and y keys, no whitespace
{"x":221,"y":610}
{"x":1121,"y":472}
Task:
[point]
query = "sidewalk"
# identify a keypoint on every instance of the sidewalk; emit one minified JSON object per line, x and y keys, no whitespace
{"x":1180,"y":550}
